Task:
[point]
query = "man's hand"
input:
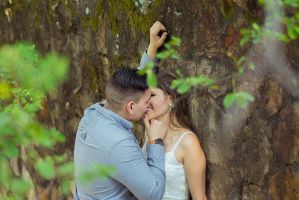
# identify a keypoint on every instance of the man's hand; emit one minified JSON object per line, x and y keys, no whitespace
{"x":156,"y":41}
{"x":154,"y":128}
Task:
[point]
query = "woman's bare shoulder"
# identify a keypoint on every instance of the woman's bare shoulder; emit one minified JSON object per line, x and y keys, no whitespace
{"x":191,"y":143}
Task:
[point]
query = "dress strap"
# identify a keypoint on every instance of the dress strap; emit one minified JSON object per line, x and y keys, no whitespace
{"x":176,"y":144}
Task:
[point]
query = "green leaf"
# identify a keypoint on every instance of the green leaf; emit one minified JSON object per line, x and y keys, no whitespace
{"x":281,"y":37}
{"x":245,"y":31}
{"x":10,"y":149}
{"x":97,"y":172}
{"x":56,"y":135}
{"x":54,"y":65}
{"x":256,"y":40}
{"x":261,"y":2}
{"x":170,"y":51}
{"x":183,"y":85}
{"x":32,"y":108}
{"x":167,"y":45}
{"x":256,"y":27}
{"x":32,"y":153}
{"x":294,"y":3}
{"x":14,"y":197}
{"x":41,"y":136}
{"x":148,"y":65}
{"x":151,"y":80}
{"x":175,"y":56}
{"x":179,"y":72}
{"x":245,"y":98}
{"x":103,"y":171}
{"x":45,"y":167}
{"x":175,"y":83}
{"x":241,"y":98}
{"x":245,"y":40}
{"x":175,"y":41}
{"x":20,"y":186}
{"x":164,"y":54}
{"x":183,"y":88}
{"x":66,"y":169}
{"x":4,"y":90}
{"x":228,"y":100}
{"x":60,"y":158}
{"x":203,"y":80}
{"x":65,"y":186}
{"x":296,"y":28}
{"x":292,"y":33}
{"x":240,"y":60}
{"x":5,"y":173}
{"x":251,"y":66}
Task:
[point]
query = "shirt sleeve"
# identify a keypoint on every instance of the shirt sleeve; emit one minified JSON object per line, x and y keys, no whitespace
{"x":144,"y":178}
{"x":145,"y":59}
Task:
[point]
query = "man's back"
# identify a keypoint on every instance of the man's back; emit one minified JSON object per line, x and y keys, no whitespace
{"x":103,"y":137}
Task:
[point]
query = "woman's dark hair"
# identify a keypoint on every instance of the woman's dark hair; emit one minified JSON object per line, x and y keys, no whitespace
{"x":180,"y":114}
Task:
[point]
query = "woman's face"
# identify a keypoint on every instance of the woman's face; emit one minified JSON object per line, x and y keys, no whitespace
{"x":159,"y":104}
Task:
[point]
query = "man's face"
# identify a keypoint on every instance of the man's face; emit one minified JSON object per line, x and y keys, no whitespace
{"x":142,"y":106}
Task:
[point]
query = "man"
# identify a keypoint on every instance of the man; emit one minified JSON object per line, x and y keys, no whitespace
{"x":104,"y":137}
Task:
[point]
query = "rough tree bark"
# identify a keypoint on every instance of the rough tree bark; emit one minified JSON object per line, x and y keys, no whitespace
{"x":256,"y":159}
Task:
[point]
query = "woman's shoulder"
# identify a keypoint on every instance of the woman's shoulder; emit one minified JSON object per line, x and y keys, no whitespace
{"x":190,"y":142}
{"x":189,"y":138}
{"x":191,"y":150}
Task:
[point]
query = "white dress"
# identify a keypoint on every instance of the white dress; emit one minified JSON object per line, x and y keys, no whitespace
{"x":176,"y":187}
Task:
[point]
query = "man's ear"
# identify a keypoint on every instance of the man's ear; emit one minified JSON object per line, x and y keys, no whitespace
{"x":130,"y":107}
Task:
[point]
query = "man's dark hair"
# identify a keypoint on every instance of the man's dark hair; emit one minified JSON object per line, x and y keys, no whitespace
{"x":125,"y":85}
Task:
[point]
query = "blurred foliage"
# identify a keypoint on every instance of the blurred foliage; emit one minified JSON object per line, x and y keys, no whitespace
{"x":98,"y":171}
{"x":290,"y":21}
{"x":183,"y":85}
{"x":254,"y":34}
{"x":240,"y":98}
{"x":170,"y":49}
{"x":277,"y":13}
{"x":151,"y":77}
{"x":25,"y":78}
{"x":168,"y":52}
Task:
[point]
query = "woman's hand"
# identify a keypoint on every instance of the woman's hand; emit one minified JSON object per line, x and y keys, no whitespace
{"x":156,"y":41}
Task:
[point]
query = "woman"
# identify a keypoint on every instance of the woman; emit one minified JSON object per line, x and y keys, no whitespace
{"x":185,"y":162}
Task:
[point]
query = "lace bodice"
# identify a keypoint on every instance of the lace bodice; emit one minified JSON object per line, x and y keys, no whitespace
{"x":176,"y":187}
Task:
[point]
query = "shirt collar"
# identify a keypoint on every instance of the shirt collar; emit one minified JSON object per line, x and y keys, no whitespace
{"x":114,"y":116}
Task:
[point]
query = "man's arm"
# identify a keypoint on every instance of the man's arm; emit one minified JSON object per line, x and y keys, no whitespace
{"x":145,"y":179}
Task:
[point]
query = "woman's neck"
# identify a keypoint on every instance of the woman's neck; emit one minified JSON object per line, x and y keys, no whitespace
{"x":173,"y":126}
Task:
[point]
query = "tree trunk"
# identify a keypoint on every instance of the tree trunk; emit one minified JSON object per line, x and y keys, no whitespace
{"x":252,"y":153}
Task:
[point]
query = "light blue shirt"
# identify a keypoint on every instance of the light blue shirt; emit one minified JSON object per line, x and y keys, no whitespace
{"x":103,"y":137}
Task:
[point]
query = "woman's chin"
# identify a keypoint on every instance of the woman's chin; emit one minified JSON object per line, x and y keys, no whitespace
{"x":150,"y":115}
